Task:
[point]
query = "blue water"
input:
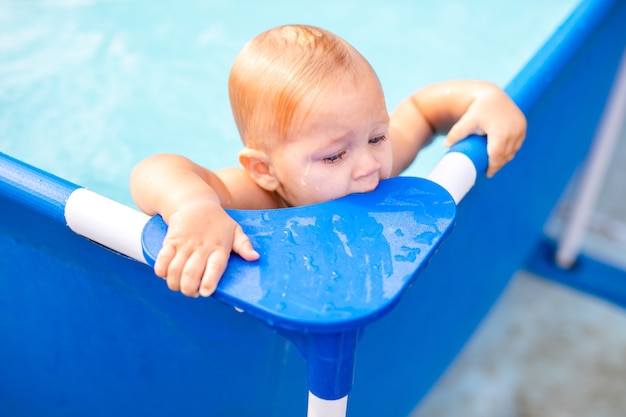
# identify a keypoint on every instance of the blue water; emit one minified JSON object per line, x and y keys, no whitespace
{"x":90,"y":87}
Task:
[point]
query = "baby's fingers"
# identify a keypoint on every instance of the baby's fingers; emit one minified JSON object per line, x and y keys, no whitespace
{"x":192,"y":274}
{"x":500,"y":152}
{"x":215,"y":267}
{"x":243,"y":247}
{"x":163,"y":260}
{"x":497,"y":159}
{"x":465,"y":127}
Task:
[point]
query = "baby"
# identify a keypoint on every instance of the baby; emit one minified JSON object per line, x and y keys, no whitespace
{"x":312,"y":117}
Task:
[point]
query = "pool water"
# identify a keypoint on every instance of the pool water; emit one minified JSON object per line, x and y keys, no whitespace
{"x":90,"y":87}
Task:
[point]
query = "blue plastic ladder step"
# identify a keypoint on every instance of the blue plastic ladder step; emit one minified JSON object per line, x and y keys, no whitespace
{"x":333,"y":266}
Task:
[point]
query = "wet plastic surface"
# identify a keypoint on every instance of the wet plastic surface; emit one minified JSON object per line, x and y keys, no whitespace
{"x":333,"y":266}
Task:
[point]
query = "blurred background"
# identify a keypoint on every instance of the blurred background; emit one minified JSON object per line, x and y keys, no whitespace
{"x":83,"y":81}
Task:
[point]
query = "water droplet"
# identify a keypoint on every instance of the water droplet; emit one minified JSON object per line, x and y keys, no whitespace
{"x":328,"y":307}
{"x":309,"y":264}
{"x":289,"y":237}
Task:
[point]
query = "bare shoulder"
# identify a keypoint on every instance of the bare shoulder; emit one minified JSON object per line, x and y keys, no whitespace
{"x":245,"y":194}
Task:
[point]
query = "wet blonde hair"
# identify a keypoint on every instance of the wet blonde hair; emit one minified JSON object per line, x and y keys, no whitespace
{"x":279,"y":68}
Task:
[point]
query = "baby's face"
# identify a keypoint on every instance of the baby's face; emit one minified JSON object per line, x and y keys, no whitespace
{"x":338,"y":147}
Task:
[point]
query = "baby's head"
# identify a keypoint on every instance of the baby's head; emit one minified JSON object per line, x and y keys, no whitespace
{"x":283,"y":86}
{"x":276,"y":71}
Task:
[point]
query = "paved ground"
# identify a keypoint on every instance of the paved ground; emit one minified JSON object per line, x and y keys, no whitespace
{"x":545,"y":351}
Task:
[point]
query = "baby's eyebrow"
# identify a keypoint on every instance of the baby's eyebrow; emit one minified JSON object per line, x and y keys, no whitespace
{"x":378,"y":128}
{"x":333,"y":139}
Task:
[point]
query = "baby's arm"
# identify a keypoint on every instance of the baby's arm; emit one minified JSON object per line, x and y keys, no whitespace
{"x":201,"y":234}
{"x":460,"y":109}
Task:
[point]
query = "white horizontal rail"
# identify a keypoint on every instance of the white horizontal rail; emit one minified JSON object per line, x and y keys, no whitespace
{"x":106,"y":222}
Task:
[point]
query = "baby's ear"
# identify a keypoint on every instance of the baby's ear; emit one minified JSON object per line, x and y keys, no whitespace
{"x":259,"y":166}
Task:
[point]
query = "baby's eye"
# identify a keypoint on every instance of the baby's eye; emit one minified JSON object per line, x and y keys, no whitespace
{"x":333,"y":159}
{"x":378,"y":139}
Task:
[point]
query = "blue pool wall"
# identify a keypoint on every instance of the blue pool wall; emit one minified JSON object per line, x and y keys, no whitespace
{"x":88,"y":331}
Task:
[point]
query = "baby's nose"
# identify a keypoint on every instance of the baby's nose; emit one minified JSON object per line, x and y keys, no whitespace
{"x":367,"y":166}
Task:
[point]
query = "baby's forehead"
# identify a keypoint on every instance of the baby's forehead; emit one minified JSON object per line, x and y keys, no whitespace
{"x":358,"y":77}
{"x":344,"y":108}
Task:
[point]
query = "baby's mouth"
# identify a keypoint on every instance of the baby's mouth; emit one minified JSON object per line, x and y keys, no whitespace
{"x":370,"y":187}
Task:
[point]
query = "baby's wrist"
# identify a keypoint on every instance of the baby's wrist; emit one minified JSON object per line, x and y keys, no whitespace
{"x":197,"y":205}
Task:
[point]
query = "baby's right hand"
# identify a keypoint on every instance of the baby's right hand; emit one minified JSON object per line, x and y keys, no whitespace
{"x":200,"y":238}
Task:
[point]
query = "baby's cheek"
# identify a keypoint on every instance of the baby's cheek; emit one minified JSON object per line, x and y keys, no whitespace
{"x":385,"y":172}
{"x":329,"y":191}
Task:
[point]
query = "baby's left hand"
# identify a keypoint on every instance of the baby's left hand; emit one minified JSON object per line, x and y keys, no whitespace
{"x":494,"y":114}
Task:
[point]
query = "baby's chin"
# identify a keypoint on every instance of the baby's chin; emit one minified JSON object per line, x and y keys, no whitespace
{"x":370,"y":188}
{"x":309,"y":200}
{"x":364,"y":191}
